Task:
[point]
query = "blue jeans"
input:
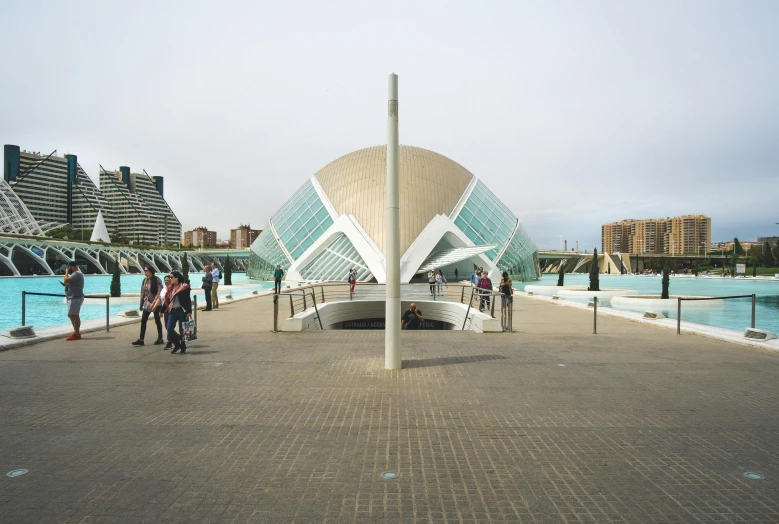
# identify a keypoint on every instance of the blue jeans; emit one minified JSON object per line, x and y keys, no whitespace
{"x":176,"y":316}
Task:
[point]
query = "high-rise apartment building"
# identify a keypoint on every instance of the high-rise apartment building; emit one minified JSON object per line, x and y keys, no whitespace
{"x":688,"y":234}
{"x":57,"y":191}
{"x":199,"y":237}
{"x":243,"y":236}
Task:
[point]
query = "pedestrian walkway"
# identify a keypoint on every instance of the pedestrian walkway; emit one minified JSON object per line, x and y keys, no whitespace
{"x":550,"y":424}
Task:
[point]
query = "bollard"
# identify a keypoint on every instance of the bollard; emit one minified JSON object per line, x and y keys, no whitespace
{"x":107,"y":299}
{"x":194,"y":312}
{"x":595,"y":316}
{"x":275,"y":313}
{"x":753,"y":311}
{"x":679,"y":316}
{"x":24,"y":300}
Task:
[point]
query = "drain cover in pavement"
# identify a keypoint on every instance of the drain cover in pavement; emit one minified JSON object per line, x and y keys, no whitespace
{"x":16,"y":473}
{"x":389,"y":475}
{"x":754,"y":476}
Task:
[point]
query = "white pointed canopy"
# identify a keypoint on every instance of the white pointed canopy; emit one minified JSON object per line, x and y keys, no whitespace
{"x":100,"y":232}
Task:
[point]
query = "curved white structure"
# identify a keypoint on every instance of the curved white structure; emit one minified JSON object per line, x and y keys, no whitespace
{"x":448,"y":219}
{"x":15,"y":218}
{"x":604,"y":295}
{"x":550,"y":291}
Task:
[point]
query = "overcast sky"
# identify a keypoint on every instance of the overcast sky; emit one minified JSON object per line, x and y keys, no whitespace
{"x":574,"y":113}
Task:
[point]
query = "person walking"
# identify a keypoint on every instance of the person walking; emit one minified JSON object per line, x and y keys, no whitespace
{"x":161,"y":306}
{"x":150,"y":292}
{"x":431,"y":281}
{"x":485,"y":285}
{"x":456,"y":275}
{"x":179,"y":309}
{"x":352,"y":278}
{"x":507,"y":289}
{"x":278,"y":274}
{"x":440,"y":280}
{"x":74,"y":295}
{"x":412,"y":318}
{"x":475,"y":279}
{"x":216,"y":275}
{"x":208,"y":280}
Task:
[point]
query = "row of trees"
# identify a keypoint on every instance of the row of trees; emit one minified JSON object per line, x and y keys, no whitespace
{"x":764,"y":255}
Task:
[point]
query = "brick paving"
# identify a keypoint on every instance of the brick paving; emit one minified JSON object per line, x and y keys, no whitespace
{"x":550,"y":424}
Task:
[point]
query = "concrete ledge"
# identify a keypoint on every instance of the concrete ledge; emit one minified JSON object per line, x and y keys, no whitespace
{"x":19,"y":332}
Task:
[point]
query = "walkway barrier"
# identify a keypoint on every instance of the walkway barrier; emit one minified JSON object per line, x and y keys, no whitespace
{"x":24,"y":303}
{"x":314,"y":294}
{"x":679,"y":308}
{"x":594,"y":315}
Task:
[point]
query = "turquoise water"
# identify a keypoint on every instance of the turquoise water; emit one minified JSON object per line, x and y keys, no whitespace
{"x":735,"y":314}
{"x":50,"y":311}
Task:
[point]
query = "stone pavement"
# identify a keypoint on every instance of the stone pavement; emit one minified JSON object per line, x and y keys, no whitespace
{"x":551,"y":424}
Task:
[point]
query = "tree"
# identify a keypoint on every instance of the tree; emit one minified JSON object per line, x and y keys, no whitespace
{"x":185,"y":267}
{"x":594,"y":272}
{"x":737,"y":247}
{"x":734,"y":258}
{"x":116,"y":283}
{"x":666,"y":281}
{"x":560,"y":274}
{"x":228,"y":272}
{"x":768,"y":255}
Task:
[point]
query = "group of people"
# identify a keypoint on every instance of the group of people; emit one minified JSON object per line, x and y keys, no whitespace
{"x":436,"y":279}
{"x":171,"y":301}
{"x":212,"y":275}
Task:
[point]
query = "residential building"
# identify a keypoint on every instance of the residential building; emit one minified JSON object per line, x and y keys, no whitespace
{"x":688,"y":234}
{"x":243,"y":236}
{"x":199,"y":237}
{"x":55,"y":189}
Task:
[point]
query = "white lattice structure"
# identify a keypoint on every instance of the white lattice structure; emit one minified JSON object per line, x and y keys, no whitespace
{"x":15,"y":218}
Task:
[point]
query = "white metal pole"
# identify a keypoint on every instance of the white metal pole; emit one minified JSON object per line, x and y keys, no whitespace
{"x":392,"y":357}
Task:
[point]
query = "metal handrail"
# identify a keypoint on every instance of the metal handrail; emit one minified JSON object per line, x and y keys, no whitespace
{"x":24,"y":303}
{"x":679,"y":308}
{"x":328,"y":290}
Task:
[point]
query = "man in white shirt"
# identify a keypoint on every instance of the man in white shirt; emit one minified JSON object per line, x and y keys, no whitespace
{"x":214,"y":286}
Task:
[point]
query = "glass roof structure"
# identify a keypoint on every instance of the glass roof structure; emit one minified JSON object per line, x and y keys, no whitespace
{"x":336,"y":221}
{"x":335,"y":262}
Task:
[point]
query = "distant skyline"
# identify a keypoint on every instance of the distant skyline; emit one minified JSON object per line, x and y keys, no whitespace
{"x":575,"y":114}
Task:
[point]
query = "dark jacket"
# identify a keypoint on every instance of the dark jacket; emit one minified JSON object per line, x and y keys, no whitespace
{"x":208,"y":280}
{"x":182,"y":291}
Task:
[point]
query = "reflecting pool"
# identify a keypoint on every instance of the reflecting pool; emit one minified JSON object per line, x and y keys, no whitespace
{"x":735,"y":314}
{"x":50,"y":311}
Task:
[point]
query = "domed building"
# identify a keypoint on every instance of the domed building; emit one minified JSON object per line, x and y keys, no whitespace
{"x":448,"y":219}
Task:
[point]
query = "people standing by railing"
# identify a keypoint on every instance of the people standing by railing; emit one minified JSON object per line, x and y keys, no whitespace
{"x":475,"y":279}
{"x":216,"y":275}
{"x":208,"y":280}
{"x":74,"y":295}
{"x":179,"y":309}
{"x":150,"y":292}
{"x":485,"y":285}
{"x":506,"y":287}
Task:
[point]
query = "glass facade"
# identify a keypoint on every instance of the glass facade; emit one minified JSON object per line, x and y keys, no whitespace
{"x":301,"y":221}
{"x":335,"y":262}
{"x":520,"y":259}
{"x":265,"y":254}
{"x":486,"y":220}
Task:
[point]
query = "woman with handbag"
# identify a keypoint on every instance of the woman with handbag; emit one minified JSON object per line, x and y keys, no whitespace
{"x":150,"y":293}
{"x":179,"y":309}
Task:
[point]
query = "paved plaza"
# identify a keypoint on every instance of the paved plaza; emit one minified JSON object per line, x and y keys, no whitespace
{"x":550,"y":424}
